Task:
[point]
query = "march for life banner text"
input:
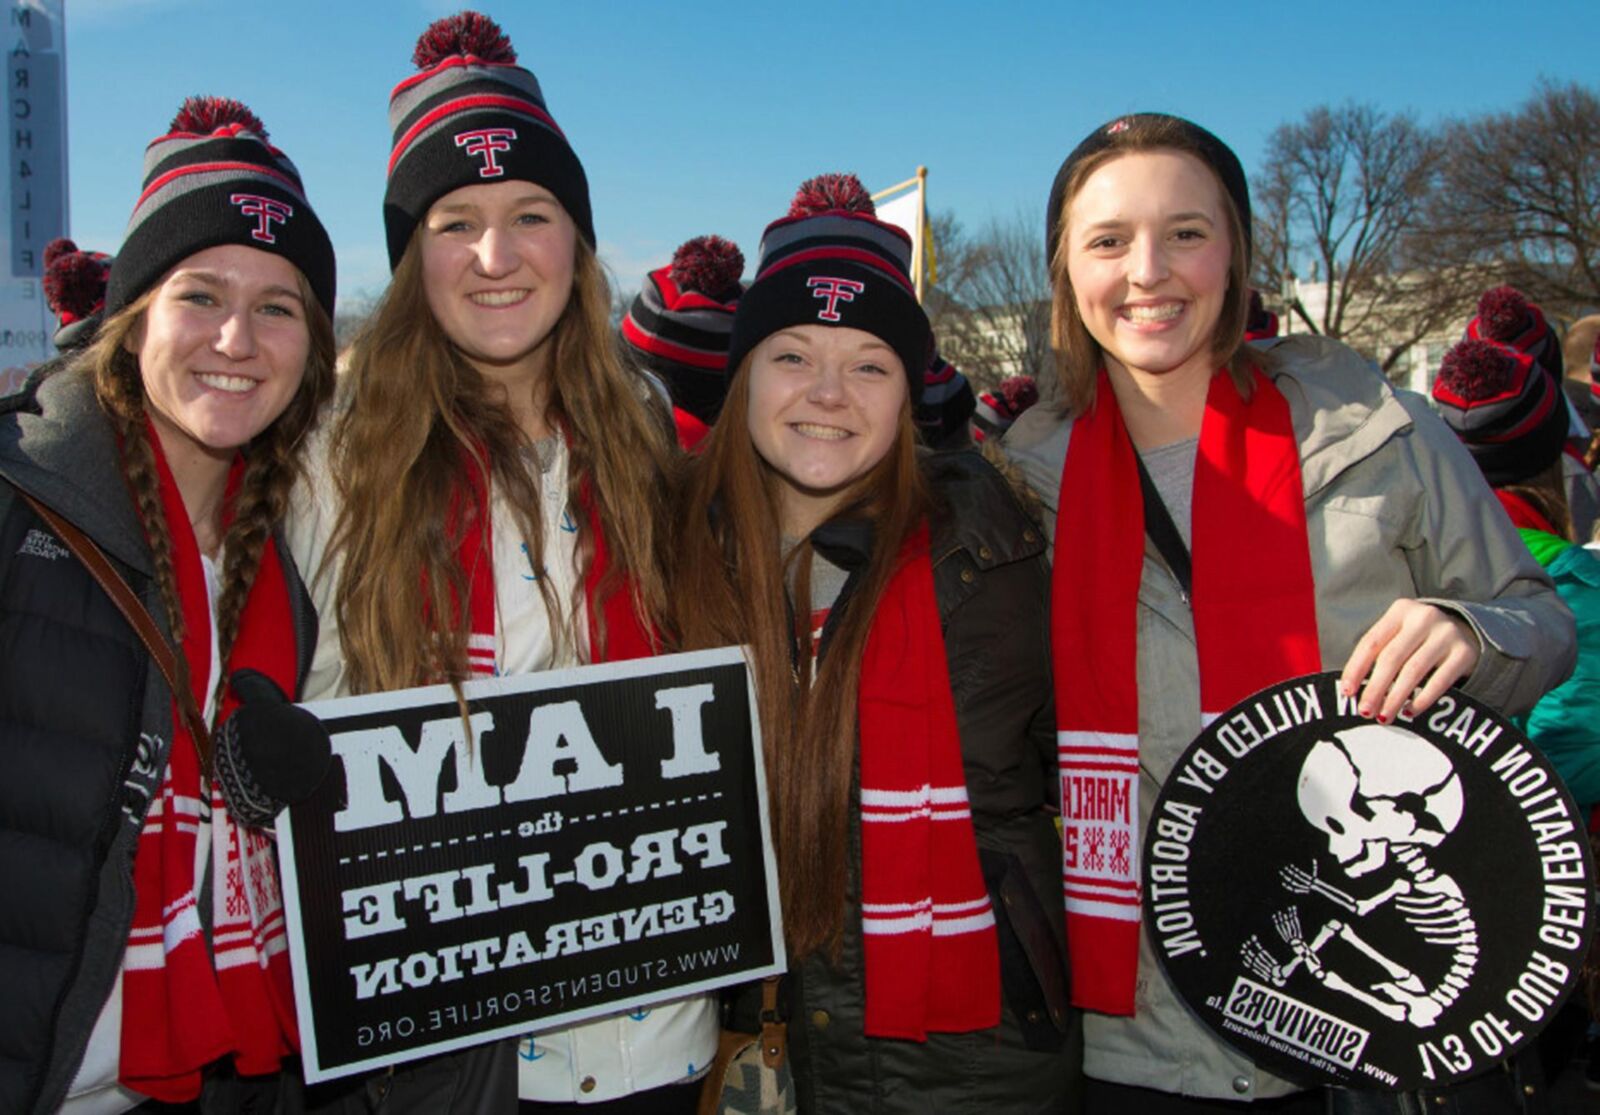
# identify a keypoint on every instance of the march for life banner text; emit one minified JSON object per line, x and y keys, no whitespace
{"x":598,"y":842}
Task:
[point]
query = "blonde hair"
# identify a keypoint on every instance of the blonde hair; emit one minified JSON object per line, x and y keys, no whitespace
{"x":419,"y":417}
{"x":1078,"y":355}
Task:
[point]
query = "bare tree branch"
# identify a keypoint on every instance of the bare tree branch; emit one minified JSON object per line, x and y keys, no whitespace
{"x":1522,"y":190}
{"x":991,"y":304}
{"x":1340,"y":207}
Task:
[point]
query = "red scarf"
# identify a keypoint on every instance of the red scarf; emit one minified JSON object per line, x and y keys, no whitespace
{"x":625,"y":634}
{"x":932,"y":962}
{"x":1255,"y":623}
{"x":1523,"y":513}
{"x":691,"y":431}
{"x":182,"y":1007}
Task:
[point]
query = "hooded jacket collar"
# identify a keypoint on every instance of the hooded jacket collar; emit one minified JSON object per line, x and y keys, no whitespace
{"x":1343,"y":410}
{"x":57,"y":445}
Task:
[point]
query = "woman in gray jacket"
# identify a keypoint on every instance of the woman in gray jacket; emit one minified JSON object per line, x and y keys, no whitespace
{"x":1332,"y":524}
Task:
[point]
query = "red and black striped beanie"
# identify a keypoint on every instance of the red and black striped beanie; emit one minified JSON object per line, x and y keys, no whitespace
{"x":832,"y":262}
{"x":75,"y":290}
{"x":998,"y":409}
{"x":214,"y":179}
{"x":947,"y":403}
{"x":1506,"y":317}
{"x":471,"y":116}
{"x":680,"y":322}
{"x":1506,"y":409}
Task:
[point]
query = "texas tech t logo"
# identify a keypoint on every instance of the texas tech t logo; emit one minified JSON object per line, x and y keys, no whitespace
{"x":485,"y":142}
{"x":835,"y":291}
{"x":266,"y":211}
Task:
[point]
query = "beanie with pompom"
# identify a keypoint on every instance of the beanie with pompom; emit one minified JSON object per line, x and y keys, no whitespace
{"x":831,"y":262}
{"x":471,"y":116}
{"x":1504,"y":407}
{"x":680,"y":321}
{"x":75,"y":290}
{"x":1506,"y":317}
{"x":215,"y":179}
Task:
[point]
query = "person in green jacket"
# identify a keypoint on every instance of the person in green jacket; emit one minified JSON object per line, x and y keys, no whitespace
{"x":1509,"y":413}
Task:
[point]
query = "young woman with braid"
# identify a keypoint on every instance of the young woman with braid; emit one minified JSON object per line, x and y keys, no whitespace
{"x":895,"y":606}
{"x":490,"y":497}
{"x":143,"y":950}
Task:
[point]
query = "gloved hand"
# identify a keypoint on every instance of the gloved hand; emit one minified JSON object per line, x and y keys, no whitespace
{"x":269,"y":754}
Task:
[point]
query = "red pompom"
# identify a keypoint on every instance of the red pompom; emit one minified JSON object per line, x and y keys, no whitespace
{"x":463,"y":33}
{"x":828,"y":192}
{"x":707,"y":265}
{"x":75,"y":285}
{"x":1475,"y":370}
{"x":1504,"y":314}
{"x":205,"y":115}
{"x":1020,"y":392}
{"x":57,"y":248}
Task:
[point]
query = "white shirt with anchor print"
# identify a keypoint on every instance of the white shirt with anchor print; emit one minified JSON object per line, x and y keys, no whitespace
{"x":613,"y":1056}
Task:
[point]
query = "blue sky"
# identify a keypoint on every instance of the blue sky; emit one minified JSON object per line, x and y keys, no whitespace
{"x":694,"y":118}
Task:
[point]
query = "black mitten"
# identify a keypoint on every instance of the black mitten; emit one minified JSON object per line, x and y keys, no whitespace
{"x":269,"y":753}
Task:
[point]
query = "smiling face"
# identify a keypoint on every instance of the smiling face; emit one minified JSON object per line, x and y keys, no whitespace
{"x":825,"y":407}
{"x":1148,"y":249}
{"x":497,"y":266}
{"x":222,"y":349}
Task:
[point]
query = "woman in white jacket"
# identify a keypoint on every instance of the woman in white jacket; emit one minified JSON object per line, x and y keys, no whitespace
{"x":488,"y":447}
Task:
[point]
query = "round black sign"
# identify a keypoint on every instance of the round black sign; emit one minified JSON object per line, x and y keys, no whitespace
{"x":1379,"y":906}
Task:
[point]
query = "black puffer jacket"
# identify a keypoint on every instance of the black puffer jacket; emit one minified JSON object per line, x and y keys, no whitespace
{"x":992,"y":586}
{"x":85,"y":727}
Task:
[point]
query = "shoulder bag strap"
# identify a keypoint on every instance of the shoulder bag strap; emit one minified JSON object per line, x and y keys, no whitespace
{"x":1163,"y":532}
{"x":173,"y":666}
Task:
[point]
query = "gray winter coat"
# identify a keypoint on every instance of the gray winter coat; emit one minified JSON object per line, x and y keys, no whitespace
{"x":1394,"y":508}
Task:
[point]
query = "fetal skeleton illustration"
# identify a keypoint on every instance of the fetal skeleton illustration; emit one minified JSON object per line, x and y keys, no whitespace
{"x":1381,"y":794}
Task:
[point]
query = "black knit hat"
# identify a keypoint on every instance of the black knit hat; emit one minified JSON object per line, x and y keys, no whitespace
{"x":947,"y":403}
{"x":680,"y":322}
{"x":1506,"y":317}
{"x":1216,"y":154}
{"x":75,"y":290}
{"x":472,"y":116}
{"x":832,"y":262}
{"x":214,"y":179}
{"x":1504,"y":406}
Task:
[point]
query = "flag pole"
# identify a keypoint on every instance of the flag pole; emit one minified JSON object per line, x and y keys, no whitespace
{"x":917,"y":262}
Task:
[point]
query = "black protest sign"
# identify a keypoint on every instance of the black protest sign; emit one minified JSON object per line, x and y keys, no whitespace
{"x":1379,"y":906}
{"x":599,"y":843}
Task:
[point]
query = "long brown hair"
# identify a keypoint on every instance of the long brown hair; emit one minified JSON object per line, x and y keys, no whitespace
{"x":730,"y":581}
{"x":415,"y":414}
{"x":1078,"y":354}
{"x":272,"y":463}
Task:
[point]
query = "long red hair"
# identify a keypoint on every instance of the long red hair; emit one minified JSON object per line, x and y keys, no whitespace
{"x":731,"y":583}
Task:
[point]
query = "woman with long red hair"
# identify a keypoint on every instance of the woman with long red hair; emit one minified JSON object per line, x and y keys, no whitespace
{"x":893,"y":604}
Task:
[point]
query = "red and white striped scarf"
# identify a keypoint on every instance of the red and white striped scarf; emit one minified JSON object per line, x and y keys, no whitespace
{"x":622,"y":635}
{"x":1255,"y":623}
{"x":932,"y":961}
{"x":185,"y":1006}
